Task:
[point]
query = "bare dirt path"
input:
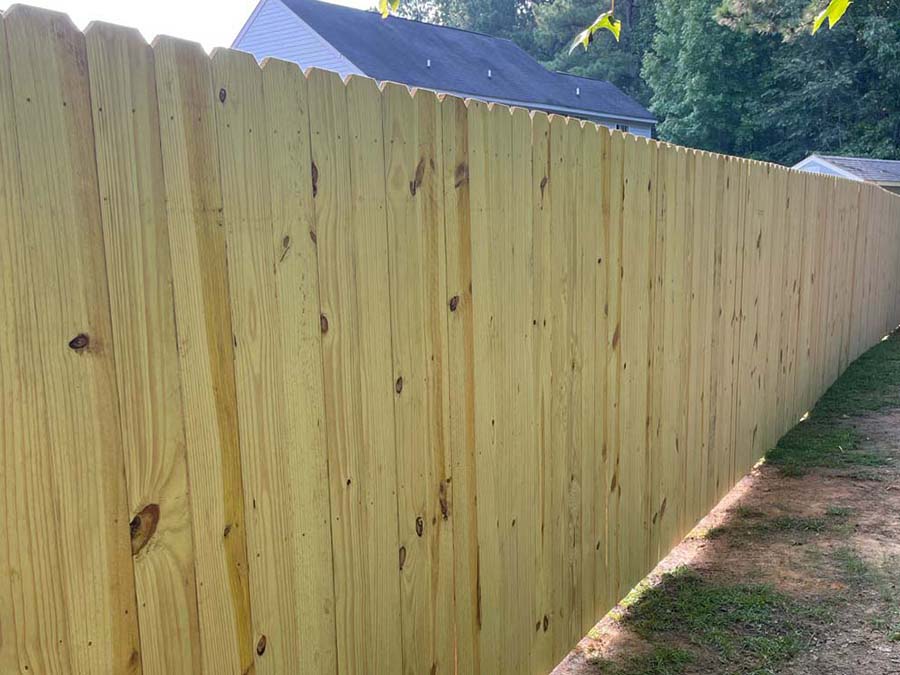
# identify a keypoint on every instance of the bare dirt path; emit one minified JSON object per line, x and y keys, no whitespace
{"x":797,"y":570}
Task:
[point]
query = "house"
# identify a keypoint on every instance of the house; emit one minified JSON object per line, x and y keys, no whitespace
{"x":883,"y":172}
{"x":440,"y":58}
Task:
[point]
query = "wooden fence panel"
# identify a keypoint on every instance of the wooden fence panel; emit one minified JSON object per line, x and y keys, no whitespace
{"x":364,"y":380}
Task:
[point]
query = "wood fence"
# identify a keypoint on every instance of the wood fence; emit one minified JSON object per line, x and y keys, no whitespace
{"x":301,"y":376}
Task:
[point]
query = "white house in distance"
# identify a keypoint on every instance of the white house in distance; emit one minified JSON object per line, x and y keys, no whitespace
{"x":440,"y":58}
{"x":883,"y":172}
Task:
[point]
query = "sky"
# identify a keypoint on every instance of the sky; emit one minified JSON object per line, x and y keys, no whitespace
{"x":212,"y":23}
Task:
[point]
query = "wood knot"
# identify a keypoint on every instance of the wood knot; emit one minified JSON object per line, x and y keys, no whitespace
{"x":261,"y":645}
{"x":222,"y":95}
{"x":315,"y":179}
{"x":323,"y":323}
{"x":398,"y":385}
{"x":461,"y":175}
{"x":143,"y":526}
{"x":420,"y":526}
{"x":285,"y":247}
{"x":402,"y":557}
{"x":80,"y":342}
{"x":416,"y":182}
{"x":454,"y":303}
{"x":546,"y":622}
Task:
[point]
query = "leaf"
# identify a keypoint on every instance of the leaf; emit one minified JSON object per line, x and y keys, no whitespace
{"x":606,"y":21}
{"x":833,"y":13}
{"x":384,"y":8}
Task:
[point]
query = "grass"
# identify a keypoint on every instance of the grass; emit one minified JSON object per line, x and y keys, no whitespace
{"x":867,"y":580}
{"x":751,"y":627}
{"x":854,"y":569}
{"x":661,"y":660}
{"x":778,"y":525}
{"x":871,"y":383}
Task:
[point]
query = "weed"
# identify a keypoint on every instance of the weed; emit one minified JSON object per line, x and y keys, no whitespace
{"x":742,"y":511}
{"x":836,"y":511}
{"x":867,"y":475}
{"x":778,"y":524}
{"x":854,"y":569}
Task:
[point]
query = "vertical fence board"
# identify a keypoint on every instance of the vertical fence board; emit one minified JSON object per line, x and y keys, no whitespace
{"x":657,"y":453}
{"x":135,"y":229}
{"x":460,"y":375}
{"x":305,"y":474}
{"x":418,"y":313}
{"x":74,"y":352}
{"x":34,"y":619}
{"x":525,"y":524}
{"x":542,"y":206}
{"x":613,"y":205}
{"x":637,"y":242}
{"x":591,"y":324}
{"x":206,"y":357}
{"x":348,"y":155}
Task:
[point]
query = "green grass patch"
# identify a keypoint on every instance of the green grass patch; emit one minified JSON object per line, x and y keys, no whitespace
{"x":662,"y":660}
{"x":871,"y":383}
{"x":854,"y":569}
{"x":749,"y":626}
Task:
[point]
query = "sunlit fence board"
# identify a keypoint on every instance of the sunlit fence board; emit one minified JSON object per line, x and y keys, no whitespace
{"x":310,"y":376}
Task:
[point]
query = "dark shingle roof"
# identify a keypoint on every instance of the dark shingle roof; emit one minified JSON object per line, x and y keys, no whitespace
{"x":872,"y":170}
{"x":398,"y":50}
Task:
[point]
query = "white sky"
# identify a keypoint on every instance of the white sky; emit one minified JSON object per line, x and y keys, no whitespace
{"x":212,"y":23}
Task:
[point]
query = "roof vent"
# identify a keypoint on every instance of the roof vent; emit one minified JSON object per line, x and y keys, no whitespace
{"x":428,"y":63}
{"x":578,"y":91}
{"x":489,"y":73}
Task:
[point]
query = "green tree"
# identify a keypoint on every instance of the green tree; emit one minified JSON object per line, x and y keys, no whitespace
{"x":705,"y":78}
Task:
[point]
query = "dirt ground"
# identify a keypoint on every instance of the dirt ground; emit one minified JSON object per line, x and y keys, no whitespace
{"x":796,"y":574}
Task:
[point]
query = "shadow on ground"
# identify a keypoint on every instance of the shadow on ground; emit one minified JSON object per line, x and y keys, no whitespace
{"x":797,"y":570}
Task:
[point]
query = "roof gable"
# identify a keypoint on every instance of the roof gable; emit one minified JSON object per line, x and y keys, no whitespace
{"x":457,"y":61}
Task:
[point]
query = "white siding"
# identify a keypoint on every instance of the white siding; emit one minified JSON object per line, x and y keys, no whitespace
{"x":633,"y":127}
{"x":819,"y":167}
{"x":274,"y":30}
